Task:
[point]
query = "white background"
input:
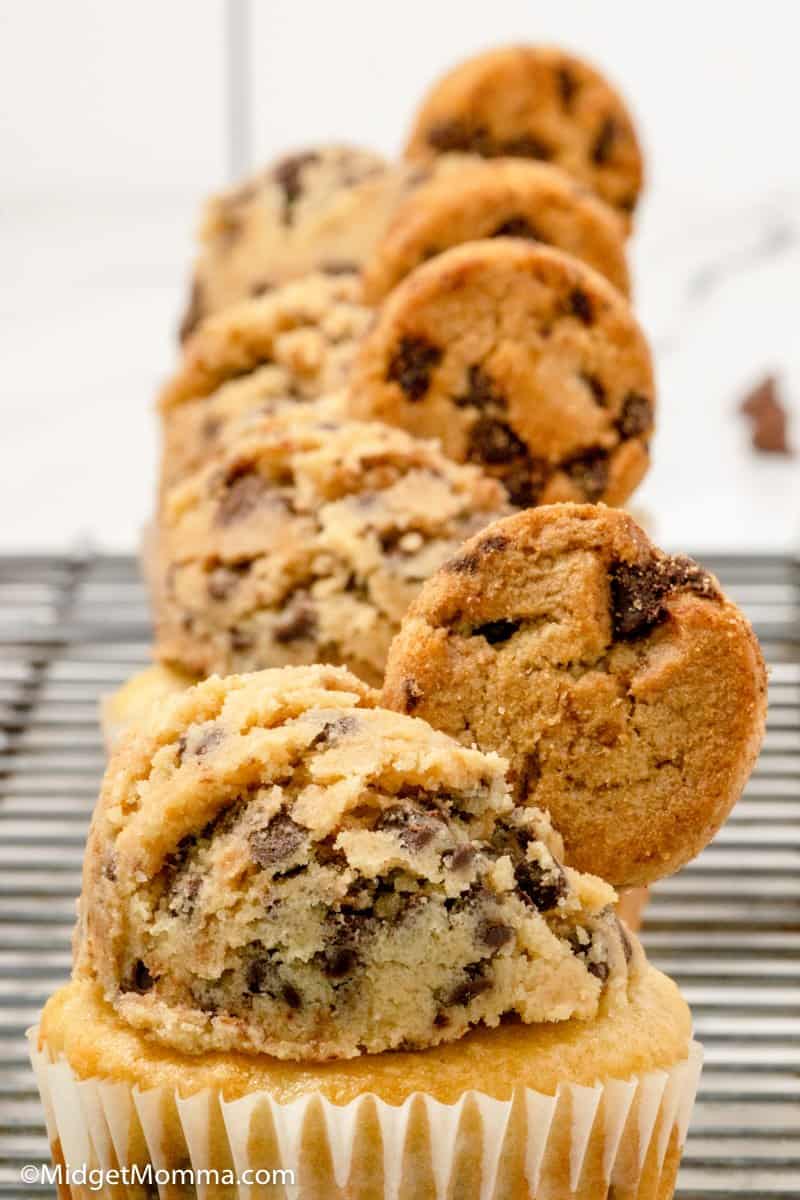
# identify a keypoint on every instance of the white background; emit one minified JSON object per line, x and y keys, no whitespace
{"x":114,"y":123}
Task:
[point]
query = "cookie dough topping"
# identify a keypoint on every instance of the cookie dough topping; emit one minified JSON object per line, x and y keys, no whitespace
{"x":306,"y":541}
{"x":276,"y":865}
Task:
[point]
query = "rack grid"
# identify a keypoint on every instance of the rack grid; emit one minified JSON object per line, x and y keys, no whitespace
{"x":727,"y":928}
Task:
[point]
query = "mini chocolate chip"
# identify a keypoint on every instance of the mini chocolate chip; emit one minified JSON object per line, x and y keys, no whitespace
{"x":140,"y":980}
{"x":244,"y":491}
{"x":636,"y":415}
{"x":604,"y":142}
{"x":580,"y":305}
{"x":287,"y":175}
{"x":542,"y":889}
{"x":411,"y":365}
{"x":494,"y":934}
{"x":589,"y":471}
{"x":567,"y":85}
{"x":481,"y":391}
{"x":277,"y":841}
{"x":415,"y":830}
{"x":298,"y":620}
{"x":496,"y":632}
{"x":519,"y":227}
{"x":639,"y":591}
{"x":412,"y":693}
{"x":195,"y":311}
{"x":493,"y":441}
{"x":339,"y":266}
{"x":596,"y":387}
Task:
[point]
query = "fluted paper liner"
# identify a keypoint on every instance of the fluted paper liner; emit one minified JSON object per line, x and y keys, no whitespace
{"x":622,"y":1133}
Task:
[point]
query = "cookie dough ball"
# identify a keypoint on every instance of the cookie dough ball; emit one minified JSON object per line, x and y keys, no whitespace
{"x":277,"y":866}
{"x":306,"y":541}
{"x":321,"y":209}
{"x":521,"y":359}
{"x":469,"y":199}
{"x":535,"y":102}
{"x":626,"y":691}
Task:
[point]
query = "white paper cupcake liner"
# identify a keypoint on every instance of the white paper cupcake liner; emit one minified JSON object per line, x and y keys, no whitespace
{"x":580,"y":1141}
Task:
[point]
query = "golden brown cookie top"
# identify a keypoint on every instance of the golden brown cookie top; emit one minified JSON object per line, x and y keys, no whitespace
{"x":626,"y":691}
{"x":468,"y":199}
{"x":519,"y":358}
{"x":276,"y":865}
{"x":535,"y":102}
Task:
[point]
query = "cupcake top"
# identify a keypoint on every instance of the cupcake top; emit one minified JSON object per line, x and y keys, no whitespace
{"x":306,"y":540}
{"x":277,"y":865}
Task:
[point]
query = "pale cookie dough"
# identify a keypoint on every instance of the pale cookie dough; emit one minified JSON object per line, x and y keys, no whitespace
{"x":471,"y":198}
{"x":535,"y":102}
{"x":316,"y":210}
{"x":275,"y":865}
{"x":626,"y":691}
{"x":519,"y":358}
{"x":306,"y":541}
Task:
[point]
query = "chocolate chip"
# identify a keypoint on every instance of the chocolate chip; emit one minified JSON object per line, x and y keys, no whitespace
{"x":195,"y":311}
{"x":494,"y":934}
{"x":580,"y":305}
{"x":411,"y":366}
{"x":567,"y":85}
{"x":481,"y":391}
{"x":639,"y":591}
{"x":459,"y":859}
{"x":339,"y":266}
{"x":600,"y":970}
{"x":525,"y":480}
{"x":140,"y":979}
{"x":475,"y":984}
{"x":261,"y":977}
{"x":287,"y":175}
{"x":456,"y":134}
{"x":339,"y":961}
{"x":542,"y":889}
{"x":110,"y":867}
{"x":244,"y":491}
{"x":333,"y":731}
{"x":589,"y":471}
{"x":519,"y":227}
{"x":415,"y":829}
{"x":201,"y":744}
{"x":529,"y":775}
{"x":240,"y":640}
{"x":298,"y":620}
{"x":291,"y":996}
{"x":596,"y":387}
{"x":526,"y":146}
{"x":496,"y":632}
{"x":636,"y":415}
{"x":604,"y":142}
{"x":468,"y":564}
{"x":222,"y":580}
{"x":412,"y":693}
{"x":493,"y":441}
{"x":277,"y":841}
{"x":261,"y":287}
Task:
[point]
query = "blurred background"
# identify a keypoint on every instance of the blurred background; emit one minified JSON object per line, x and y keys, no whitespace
{"x":117,"y":119}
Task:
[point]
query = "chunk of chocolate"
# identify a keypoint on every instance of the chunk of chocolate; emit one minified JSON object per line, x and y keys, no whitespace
{"x":244,"y":492}
{"x":639,"y":591}
{"x":527,"y":145}
{"x":276,"y":842}
{"x":596,"y":387}
{"x":603,"y":145}
{"x":474,"y":985}
{"x":636,"y":415}
{"x":140,"y":980}
{"x":411,"y":365}
{"x":456,"y":135}
{"x":542,"y":889}
{"x":494,"y":934}
{"x":496,"y":632}
{"x":481,"y":391}
{"x":567,"y":85}
{"x":580,"y":305}
{"x":492,"y":441}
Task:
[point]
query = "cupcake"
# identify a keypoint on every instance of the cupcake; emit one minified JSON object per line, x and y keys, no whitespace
{"x":317,"y":936}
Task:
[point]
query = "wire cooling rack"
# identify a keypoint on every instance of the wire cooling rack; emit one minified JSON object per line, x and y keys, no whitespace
{"x":727,"y":928}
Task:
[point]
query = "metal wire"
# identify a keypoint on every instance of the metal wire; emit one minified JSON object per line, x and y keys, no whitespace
{"x":727,"y":928}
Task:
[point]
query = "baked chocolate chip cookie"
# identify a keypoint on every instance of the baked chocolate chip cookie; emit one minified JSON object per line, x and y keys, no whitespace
{"x":468,"y":199}
{"x":305,"y":541}
{"x":626,"y":691}
{"x":278,"y":866}
{"x":519,"y":358}
{"x":535,"y":102}
{"x":321,"y":209}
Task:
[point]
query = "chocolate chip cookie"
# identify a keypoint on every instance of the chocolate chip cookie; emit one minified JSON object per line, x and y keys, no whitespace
{"x":277,"y":866}
{"x":521,"y":359}
{"x":316,"y":210}
{"x":626,"y":691}
{"x":468,"y":199}
{"x":305,"y":542}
